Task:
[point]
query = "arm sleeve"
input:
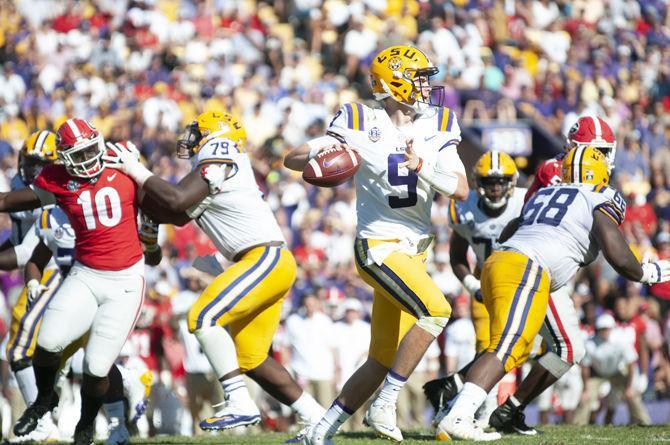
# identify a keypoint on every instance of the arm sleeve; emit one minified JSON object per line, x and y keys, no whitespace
{"x":46,"y":197}
{"x":25,"y":250}
{"x":442,"y":174}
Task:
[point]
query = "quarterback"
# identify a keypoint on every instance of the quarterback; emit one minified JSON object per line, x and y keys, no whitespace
{"x":560,"y":229}
{"x":222,"y":196}
{"x":477,"y":222}
{"x":103,"y":291}
{"x":408,"y":151}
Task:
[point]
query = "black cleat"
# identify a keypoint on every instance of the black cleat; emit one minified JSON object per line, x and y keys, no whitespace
{"x":84,"y":435}
{"x":510,"y":419}
{"x":440,"y":391}
{"x":32,"y":415}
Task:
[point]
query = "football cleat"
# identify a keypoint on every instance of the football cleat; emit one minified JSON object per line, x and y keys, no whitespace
{"x":46,"y":431}
{"x":233,"y":414}
{"x":84,"y":435}
{"x":32,"y":415}
{"x":118,"y":433}
{"x":381,"y":417}
{"x":510,"y":419}
{"x":452,"y":427}
{"x":315,"y":436}
{"x":440,"y":391}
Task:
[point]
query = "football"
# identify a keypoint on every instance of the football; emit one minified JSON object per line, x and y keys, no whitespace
{"x":331,"y":167}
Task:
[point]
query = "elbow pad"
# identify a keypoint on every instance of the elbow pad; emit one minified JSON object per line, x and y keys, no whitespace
{"x":442,"y":180}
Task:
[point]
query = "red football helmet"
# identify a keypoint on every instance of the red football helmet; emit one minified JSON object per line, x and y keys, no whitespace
{"x":80,"y":146}
{"x":595,"y":132}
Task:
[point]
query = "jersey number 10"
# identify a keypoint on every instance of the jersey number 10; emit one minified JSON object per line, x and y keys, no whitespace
{"x":107,"y":207}
{"x":539,"y":211}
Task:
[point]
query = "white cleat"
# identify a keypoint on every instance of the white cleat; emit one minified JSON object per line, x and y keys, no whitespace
{"x":46,"y":431}
{"x":381,"y":417}
{"x":118,"y":433}
{"x":316,"y":437}
{"x":452,"y":427}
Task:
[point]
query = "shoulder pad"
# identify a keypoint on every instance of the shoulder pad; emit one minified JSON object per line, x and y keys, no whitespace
{"x":614,"y":205}
{"x":217,"y":151}
{"x":351,"y":116}
{"x":445,"y":119}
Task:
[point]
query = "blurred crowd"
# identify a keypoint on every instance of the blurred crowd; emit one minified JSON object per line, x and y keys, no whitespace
{"x":142,"y":69}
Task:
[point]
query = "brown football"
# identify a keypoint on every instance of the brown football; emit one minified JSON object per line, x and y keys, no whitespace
{"x":331,"y":167}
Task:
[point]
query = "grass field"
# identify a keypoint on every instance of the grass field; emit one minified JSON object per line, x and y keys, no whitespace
{"x":563,"y":435}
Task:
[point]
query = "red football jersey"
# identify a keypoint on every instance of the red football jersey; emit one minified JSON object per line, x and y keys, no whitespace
{"x":550,"y":172}
{"x":103,"y":214}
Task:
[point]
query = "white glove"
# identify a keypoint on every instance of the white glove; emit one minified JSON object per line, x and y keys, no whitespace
{"x":127,"y":159}
{"x":215,"y":176}
{"x":656,"y":272}
{"x":472,"y":285}
{"x":641,"y":383}
{"x":35,"y":290}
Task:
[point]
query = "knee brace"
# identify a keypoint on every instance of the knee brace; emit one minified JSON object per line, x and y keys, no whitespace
{"x":432,"y":325}
{"x":554,"y":364}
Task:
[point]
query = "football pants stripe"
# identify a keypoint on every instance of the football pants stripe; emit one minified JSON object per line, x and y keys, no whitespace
{"x":229,"y":296}
{"x":506,"y":342}
{"x":31,"y":318}
{"x":391,"y":288}
{"x":554,"y":318}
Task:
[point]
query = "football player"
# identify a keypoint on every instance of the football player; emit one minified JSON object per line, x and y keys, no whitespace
{"x":222,"y":195}
{"x":561,"y":329}
{"x":560,"y":229}
{"x":408,"y":151}
{"x":477,"y":223}
{"x":103,"y":291}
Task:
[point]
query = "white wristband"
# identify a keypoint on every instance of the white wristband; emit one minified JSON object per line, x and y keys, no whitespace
{"x":471,"y":284}
{"x":139,"y":173}
{"x":32,"y":284}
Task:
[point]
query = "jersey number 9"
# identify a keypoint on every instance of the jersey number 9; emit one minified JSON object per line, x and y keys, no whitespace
{"x":396,"y":179}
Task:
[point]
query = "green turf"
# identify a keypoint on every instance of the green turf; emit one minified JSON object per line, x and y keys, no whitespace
{"x":559,"y":435}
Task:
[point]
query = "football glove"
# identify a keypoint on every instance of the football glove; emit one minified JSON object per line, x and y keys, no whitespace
{"x":34,"y":291}
{"x":148,"y":232}
{"x":472,"y":285}
{"x":215,"y":176}
{"x":655,"y":272}
{"x":127,"y":159}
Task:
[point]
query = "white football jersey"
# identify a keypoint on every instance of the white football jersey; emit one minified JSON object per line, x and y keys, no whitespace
{"x":54,"y":229}
{"x":480,"y":230}
{"x":238,"y":217}
{"x":391,"y":201}
{"x":23,"y":220}
{"x":555,"y":227}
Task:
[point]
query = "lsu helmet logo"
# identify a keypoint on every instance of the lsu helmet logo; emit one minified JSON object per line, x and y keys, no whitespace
{"x":395,"y":64}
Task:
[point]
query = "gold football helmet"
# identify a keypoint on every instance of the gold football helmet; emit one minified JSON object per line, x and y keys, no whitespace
{"x":496,"y":176}
{"x":37,"y":150}
{"x":585,"y":165}
{"x":402,"y":72}
{"x":206,"y":126}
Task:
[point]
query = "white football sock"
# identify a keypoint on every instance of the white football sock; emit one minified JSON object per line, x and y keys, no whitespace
{"x":458,"y":380}
{"x":393,"y":383}
{"x":27,"y":385}
{"x":307,"y":408}
{"x":235,"y":389}
{"x":336,"y":415}
{"x":489,"y":405}
{"x":468,"y":401}
{"x":219,"y":348}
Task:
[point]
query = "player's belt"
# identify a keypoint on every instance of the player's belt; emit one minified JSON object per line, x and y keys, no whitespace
{"x":281,"y":244}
